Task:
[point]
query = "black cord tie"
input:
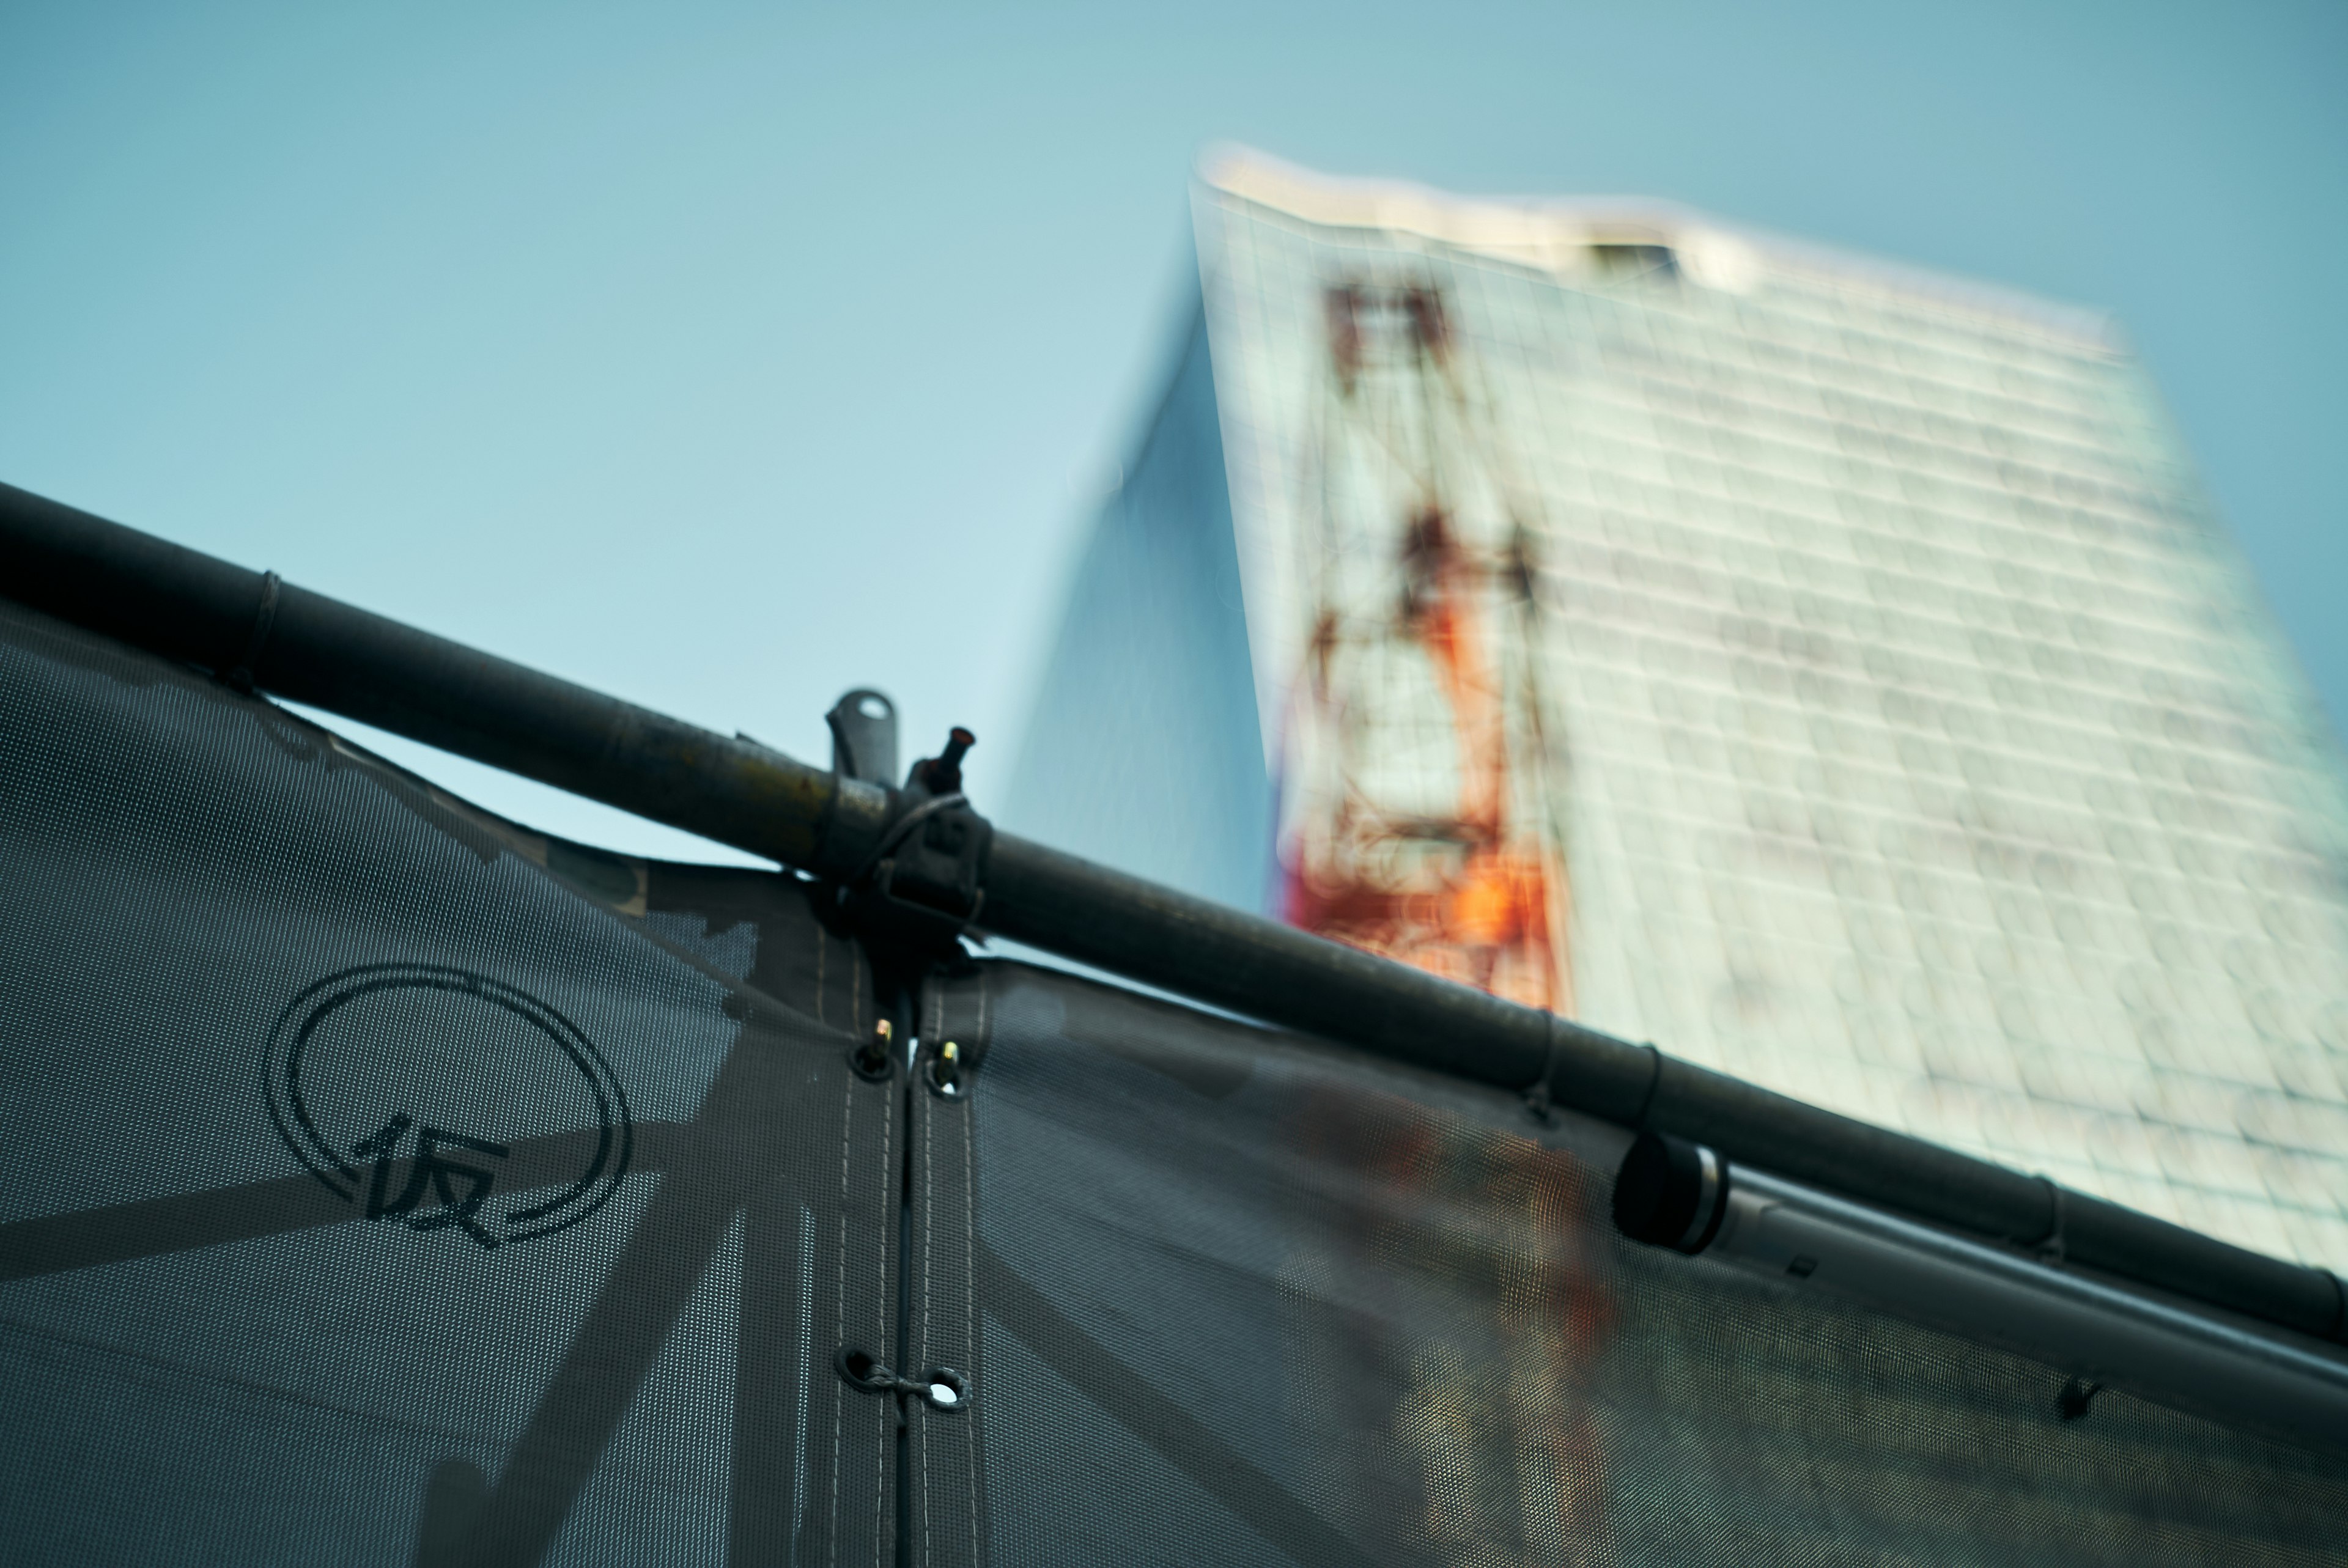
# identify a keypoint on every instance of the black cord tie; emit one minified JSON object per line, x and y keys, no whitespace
{"x":2049,"y":1246}
{"x":1654,"y":1084}
{"x":900,"y":830}
{"x":237,"y":677}
{"x":2338,"y":1329}
{"x":1540,"y":1101}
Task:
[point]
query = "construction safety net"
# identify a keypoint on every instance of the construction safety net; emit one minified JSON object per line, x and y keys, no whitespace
{"x":386,"y":1184}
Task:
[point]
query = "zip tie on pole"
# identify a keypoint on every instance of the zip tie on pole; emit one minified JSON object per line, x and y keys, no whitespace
{"x":1539,"y":1101}
{"x":900,"y":830}
{"x":2339,"y":1329}
{"x":1540,"y":1096}
{"x":1654,"y":1084}
{"x":2049,"y":1246}
{"x":237,"y":677}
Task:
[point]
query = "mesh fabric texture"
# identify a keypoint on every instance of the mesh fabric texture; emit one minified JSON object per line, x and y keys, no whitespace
{"x":389,"y":1185}
{"x":1247,"y":1299}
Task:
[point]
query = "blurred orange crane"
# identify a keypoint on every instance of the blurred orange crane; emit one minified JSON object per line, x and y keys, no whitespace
{"x":1415,"y":810}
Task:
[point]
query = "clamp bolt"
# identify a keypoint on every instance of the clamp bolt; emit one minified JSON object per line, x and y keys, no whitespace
{"x":945,"y":1072}
{"x":870,"y":1059}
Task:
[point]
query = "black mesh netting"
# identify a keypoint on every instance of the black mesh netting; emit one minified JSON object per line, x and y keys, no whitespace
{"x":381,"y":1182}
{"x":1246,"y":1300}
{"x":385,"y":1185}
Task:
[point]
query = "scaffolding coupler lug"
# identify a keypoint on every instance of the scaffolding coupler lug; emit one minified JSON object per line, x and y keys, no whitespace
{"x":926,"y":879}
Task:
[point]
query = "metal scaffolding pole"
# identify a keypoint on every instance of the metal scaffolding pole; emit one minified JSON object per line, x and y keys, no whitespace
{"x":248,"y":627}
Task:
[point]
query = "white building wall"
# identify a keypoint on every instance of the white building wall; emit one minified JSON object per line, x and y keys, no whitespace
{"x":1925,"y":750}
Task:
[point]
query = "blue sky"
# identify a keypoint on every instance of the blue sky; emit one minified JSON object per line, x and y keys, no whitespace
{"x":726,"y":356}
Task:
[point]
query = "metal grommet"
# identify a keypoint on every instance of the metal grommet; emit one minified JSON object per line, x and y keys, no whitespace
{"x":946,"y":1073}
{"x":943,"y":1390}
{"x":862,"y":1370}
{"x":872,"y":1058}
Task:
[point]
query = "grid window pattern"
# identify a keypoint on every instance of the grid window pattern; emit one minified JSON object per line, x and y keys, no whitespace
{"x":1918,"y":743}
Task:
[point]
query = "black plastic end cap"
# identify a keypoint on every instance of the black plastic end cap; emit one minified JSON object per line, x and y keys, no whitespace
{"x":1670,"y":1193}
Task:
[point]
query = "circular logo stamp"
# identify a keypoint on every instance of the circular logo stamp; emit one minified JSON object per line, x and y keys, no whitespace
{"x":440,"y":1099}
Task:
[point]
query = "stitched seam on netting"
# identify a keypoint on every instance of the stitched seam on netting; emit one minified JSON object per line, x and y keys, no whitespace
{"x":970,"y":1268}
{"x":884,"y":1298}
{"x":929,"y":1189}
{"x":839,"y":1309}
{"x":887,"y":1296}
{"x":820,"y":944}
{"x":929,"y":1186}
{"x":934,"y":1005}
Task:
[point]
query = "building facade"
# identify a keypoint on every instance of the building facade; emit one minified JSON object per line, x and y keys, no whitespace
{"x":1831,"y":672}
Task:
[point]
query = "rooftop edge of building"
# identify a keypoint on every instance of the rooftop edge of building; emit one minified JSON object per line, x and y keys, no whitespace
{"x":1570,"y":237}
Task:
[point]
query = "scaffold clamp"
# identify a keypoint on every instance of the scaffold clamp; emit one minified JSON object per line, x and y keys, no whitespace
{"x":926,"y":877}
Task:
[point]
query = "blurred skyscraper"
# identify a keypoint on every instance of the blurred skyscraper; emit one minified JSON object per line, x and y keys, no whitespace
{"x":1830,"y":672}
